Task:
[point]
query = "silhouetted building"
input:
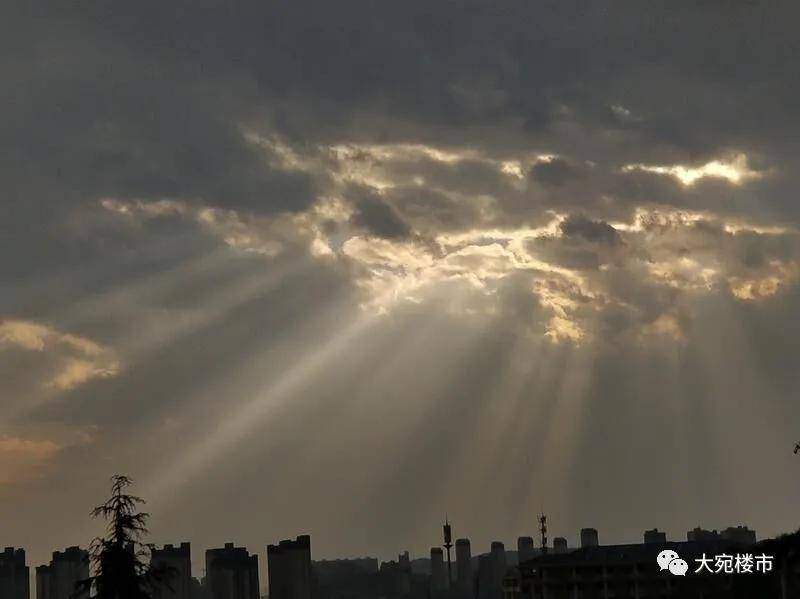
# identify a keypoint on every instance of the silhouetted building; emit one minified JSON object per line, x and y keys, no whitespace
{"x":589,"y":537}
{"x":654,"y":536}
{"x":512,"y":584}
{"x":14,"y":575}
{"x":438,"y":572}
{"x":404,"y":568}
{"x":485,"y":584}
{"x":343,"y":578}
{"x":498,"y":565}
{"x":289,"y":567}
{"x":175,"y":567}
{"x":525,"y":549}
{"x":740,"y":534}
{"x":198,"y":590}
{"x":44,"y":582}
{"x":616,"y":572}
{"x":464,"y":582}
{"x":59,"y":580}
{"x":491,"y":571}
{"x":698,"y":534}
{"x":560,"y":545}
{"x":394,"y":580}
{"x":231,"y":573}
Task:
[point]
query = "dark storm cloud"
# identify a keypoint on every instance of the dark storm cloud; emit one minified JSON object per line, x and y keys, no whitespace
{"x":553,"y":172}
{"x":432,"y":211}
{"x":153,"y":99}
{"x":590,"y":230}
{"x":584,"y":245}
{"x":482,"y":65}
{"x":91,"y":116}
{"x":375,"y":215}
{"x":569,"y":256}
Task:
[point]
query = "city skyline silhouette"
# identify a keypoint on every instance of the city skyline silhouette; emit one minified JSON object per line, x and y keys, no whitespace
{"x":231,"y":572}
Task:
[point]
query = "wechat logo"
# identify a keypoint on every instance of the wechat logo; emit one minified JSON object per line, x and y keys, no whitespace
{"x":669,"y":560}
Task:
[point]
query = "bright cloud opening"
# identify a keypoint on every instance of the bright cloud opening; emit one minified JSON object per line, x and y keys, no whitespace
{"x":734,"y":170}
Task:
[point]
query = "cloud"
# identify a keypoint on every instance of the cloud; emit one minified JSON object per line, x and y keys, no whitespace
{"x":555,"y":171}
{"x":667,"y":249}
{"x":590,"y":230}
{"x":71,"y":360}
{"x":23,"y":459}
{"x":378,"y":217}
{"x":27,"y":335}
{"x":31,"y":452}
{"x":735,"y":170}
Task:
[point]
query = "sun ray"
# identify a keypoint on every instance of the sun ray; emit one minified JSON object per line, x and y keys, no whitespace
{"x":97,"y":268}
{"x":210,"y":308}
{"x":247,"y":415}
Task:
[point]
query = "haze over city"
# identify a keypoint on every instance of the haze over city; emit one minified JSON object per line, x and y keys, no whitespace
{"x":349,"y":268}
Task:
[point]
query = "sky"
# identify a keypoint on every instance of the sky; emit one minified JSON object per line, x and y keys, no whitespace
{"x":344,"y":268}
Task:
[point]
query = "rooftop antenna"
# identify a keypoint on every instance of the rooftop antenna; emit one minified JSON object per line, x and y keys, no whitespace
{"x":543,"y":531}
{"x":448,"y":543}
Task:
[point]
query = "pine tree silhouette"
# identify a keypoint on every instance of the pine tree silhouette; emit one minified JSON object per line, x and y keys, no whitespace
{"x":120,"y":559}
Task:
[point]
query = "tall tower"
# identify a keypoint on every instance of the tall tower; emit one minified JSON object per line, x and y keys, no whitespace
{"x":232,"y":573}
{"x":175,"y":560}
{"x":464,"y":567}
{"x":499,"y":567}
{"x":448,"y":543}
{"x":589,"y":537}
{"x":438,"y":582}
{"x":58,"y":580}
{"x":525,"y":549}
{"x":543,"y":531}
{"x":560,"y":545}
{"x":289,"y":568}
{"x":14,"y":574}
